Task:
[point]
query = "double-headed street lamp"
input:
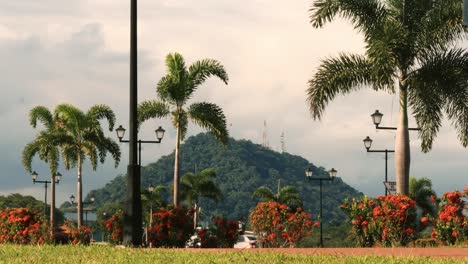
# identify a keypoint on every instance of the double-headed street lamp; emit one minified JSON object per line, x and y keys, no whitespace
{"x":159,"y":136}
{"x":331,"y":176}
{"x":57,"y":178}
{"x":92,"y":199}
{"x":367,"y":144}
{"x":377,"y":118}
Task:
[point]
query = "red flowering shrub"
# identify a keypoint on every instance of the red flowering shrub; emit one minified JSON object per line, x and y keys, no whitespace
{"x":114,"y":226}
{"x":172,"y":227}
{"x":223,"y":234}
{"x":81,"y":236}
{"x":21,"y":226}
{"x":278,"y":226}
{"x":389,"y":220}
{"x":452,"y":224}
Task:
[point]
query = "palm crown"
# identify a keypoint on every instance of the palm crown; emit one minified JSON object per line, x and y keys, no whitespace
{"x":174,"y":90}
{"x":286,"y":195}
{"x":409,"y":45}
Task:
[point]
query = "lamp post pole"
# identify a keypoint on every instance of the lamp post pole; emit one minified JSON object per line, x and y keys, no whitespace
{"x":367,"y":144}
{"x":133,"y":216}
{"x":331,"y":177}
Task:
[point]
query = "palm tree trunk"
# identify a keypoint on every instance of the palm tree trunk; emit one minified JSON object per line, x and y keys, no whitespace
{"x":52,"y":206}
{"x":79,"y":195}
{"x":402,"y":146}
{"x":176,"y":167}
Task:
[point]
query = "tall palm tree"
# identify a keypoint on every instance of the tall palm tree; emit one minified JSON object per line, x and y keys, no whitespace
{"x":410,"y":48}
{"x":173,"y":91}
{"x":286,"y":195}
{"x":420,"y":190}
{"x":46,"y":146}
{"x":196,"y":186}
{"x":85,"y":138}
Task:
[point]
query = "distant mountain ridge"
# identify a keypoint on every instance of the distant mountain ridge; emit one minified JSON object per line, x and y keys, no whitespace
{"x":241,"y":168}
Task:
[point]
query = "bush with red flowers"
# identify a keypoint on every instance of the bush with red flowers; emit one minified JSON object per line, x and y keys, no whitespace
{"x":172,"y":227}
{"x":114,"y":227}
{"x":452,"y":224}
{"x":21,"y":226}
{"x":387,"y":220}
{"x":278,"y":225}
{"x":223,"y":234}
{"x":78,"y":236}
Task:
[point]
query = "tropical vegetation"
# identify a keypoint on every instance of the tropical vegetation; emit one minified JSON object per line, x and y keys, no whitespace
{"x":46,"y":146}
{"x":173,"y":92}
{"x":84,"y":137}
{"x":410,"y":49}
{"x":200,"y":185}
{"x":286,"y":195}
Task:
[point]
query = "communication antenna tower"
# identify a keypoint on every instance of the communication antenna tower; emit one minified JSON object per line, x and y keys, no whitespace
{"x":283,"y":143}
{"x":265,"y":142}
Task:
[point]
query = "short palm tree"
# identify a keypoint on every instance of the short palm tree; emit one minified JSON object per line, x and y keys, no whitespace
{"x":46,"y":146}
{"x":174,"y":90}
{"x":287,"y":195}
{"x":84,"y":137}
{"x":420,"y":190}
{"x":196,"y":186}
{"x":410,"y":49}
{"x":153,"y":197}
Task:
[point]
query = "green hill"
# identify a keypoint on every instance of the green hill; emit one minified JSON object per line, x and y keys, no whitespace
{"x":242,"y":167}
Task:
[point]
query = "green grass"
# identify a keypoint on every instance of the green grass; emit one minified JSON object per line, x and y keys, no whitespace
{"x":107,"y":254}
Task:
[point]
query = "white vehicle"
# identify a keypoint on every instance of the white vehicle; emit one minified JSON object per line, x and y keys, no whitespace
{"x":247,"y":240}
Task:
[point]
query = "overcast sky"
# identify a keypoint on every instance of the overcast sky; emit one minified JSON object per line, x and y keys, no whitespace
{"x":77,"y":52}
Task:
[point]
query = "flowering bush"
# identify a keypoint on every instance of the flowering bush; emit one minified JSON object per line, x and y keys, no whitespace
{"x":388,"y":220}
{"x":114,"y":226}
{"x":452,"y":225}
{"x":172,"y":227}
{"x":223,"y":234}
{"x":78,"y":236}
{"x":278,"y":225}
{"x":21,"y":226}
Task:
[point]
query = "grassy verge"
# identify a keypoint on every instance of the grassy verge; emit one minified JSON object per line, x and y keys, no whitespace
{"x":107,"y":254}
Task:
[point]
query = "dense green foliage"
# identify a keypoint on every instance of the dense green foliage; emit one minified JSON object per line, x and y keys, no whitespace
{"x":241,"y":168}
{"x":17,"y":200}
{"x":103,"y":254}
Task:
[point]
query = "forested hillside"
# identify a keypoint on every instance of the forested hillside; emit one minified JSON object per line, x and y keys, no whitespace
{"x":242,"y":167}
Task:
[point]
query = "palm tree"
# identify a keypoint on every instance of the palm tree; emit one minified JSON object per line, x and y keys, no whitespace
{"x":286,"y":195}
{"x":196,"y":186}
{"x":85,"y":138}
{"x":174,"y":90}
{"x":420,"y":190}
{"x":46,"y":146}
{"x":153,"y":196}
{"x":409,"y":49}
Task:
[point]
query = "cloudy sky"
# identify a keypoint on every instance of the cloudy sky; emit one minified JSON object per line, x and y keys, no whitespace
{"x":76,"y":52}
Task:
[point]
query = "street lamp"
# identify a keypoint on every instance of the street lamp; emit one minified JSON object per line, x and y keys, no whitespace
{"x":377,"y":118}
{"x":92,"y":199}
{"x":331,"y":176}
{"x":35,"y":175}
{"x":367,"y":144}
{"x":159,"y":136}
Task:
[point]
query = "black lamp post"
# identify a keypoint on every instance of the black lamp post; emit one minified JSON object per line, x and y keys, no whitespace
{"x":91,"y":201}
{"x":34,"y":176}
{"x":377,"y":118}
{"x":367,"y":144}
{"x":331,"y":176}
{"x":159,"y":136}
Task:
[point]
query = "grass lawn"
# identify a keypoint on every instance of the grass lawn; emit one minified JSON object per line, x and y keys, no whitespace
{"x":108,"y":254}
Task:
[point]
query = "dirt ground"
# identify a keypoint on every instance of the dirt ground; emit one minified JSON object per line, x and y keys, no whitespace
{"x":403,"y":252}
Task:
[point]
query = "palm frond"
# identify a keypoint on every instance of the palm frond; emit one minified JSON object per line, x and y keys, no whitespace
{"x":199,"y":71}
{"x":28,"y":154}
{"x":90,"y":150}
{"x":210,"y":117}
{"x":152,"y":109}
{"x":98,"y":112}
{"x":341,"y":76}
{"x":42,"y":114}
{"x":440,"y":83}
{"x":366,"y":15}
{"x":109,"y":145}
{"x":69,"y":156}
{"x":265,"y":194}
{"x":70,"y":118}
